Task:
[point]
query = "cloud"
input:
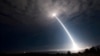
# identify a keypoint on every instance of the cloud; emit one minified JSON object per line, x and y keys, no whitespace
{"x":37,"y":11}
{"x":61,"y":6}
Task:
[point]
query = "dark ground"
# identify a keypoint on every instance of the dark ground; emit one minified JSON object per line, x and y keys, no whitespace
{"x":94,"y":51}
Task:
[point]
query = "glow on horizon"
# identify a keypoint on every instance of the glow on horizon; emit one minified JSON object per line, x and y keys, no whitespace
{"x":75,"y":47}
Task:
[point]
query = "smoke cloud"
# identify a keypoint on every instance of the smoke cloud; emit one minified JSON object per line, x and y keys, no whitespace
{"x":37,"y":11}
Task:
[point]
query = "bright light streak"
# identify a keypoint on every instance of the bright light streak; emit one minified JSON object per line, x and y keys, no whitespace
{"x":75,"y":47}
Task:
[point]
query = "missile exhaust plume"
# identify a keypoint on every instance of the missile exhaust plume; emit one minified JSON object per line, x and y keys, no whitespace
{"x":75,"y":47}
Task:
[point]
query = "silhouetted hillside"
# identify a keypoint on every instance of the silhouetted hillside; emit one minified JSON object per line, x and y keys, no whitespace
{"x":94,"y":51}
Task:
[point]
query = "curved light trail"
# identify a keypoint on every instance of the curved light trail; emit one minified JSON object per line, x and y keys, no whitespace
{"x":75,"y":47}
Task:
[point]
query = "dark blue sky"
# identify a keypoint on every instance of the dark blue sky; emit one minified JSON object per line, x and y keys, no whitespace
{"x":23,"y":27}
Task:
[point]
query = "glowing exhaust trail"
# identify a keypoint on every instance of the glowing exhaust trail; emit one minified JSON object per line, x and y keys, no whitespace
{"x":75,"y":47}
{"x":65,"y":30}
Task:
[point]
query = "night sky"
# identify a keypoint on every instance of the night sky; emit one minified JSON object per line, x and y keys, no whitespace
{"x":26,"y":25}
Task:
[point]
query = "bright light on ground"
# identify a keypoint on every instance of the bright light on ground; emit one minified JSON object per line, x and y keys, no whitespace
{"x":71,"y":50}
{"x":75,"y":48}
{"x":79,"y":49}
